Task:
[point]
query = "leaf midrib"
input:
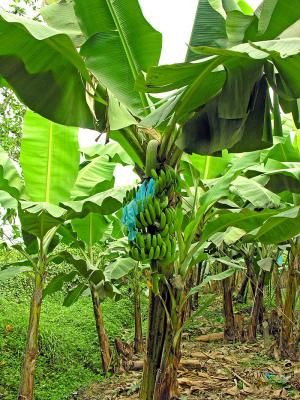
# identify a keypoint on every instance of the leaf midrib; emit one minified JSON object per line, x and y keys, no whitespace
{"x":129,"y":54}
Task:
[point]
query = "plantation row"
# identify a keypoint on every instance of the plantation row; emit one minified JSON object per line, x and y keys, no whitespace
{"x":217,"y":163}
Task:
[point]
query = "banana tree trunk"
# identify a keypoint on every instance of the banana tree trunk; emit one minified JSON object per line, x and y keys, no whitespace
{"x":26,"y":387}
{"x":138,"y":332}
{"x":229,"y":331}
{"x":277,"y":285}
{"x":102,"y":336}
{"x":162,"y":359}
{"x":257,"y":307}
{"x":288,"y":340}
{"x":242,"y":294}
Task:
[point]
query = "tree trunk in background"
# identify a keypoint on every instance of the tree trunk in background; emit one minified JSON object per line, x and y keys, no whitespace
{"x":27,"y":376}
{"x":138,"y":332}
{"x":251,"y":275}
{"x":288,"y":336}
{"x":241,"y":296}
{"x":102,"y":336}
{"x":197,"y":282}
{"x":257,"y":307}
{"x":229,"y":331}
{"x":277,"y":286}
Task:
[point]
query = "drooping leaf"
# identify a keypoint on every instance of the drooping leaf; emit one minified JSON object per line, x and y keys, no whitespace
{"x":96,"y":176}
{"x":61,"y":16}
{"x":57,"y":283}
{"x":254,"y":192}
{"x":38,"y":218}
{"x":245,"y":219}
{"x":12,"y":271}
{"x":118,"y":31}
{"x":119,"y":268}
{"x":105,"y":203}
{"x":113,"y":150}
{"x":49,"y":159}
{"x":278,"y":228}
{"x":7,"y":201}
{"x":43,"y":67}
{"x":74,"y":294}
{"x":91,"y":228}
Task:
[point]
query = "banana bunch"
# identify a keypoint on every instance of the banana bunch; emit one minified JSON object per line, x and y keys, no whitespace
{"x":155,"y":221}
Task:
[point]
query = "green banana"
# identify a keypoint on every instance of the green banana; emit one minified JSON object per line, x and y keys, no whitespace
{"x":154,"y":174}
{"x":163,"y":220}
{"x":152,"y":212}
{"x":169,"y":247}
{"x":138,"y":224}
{"x":148,"y":242}
{"x":140,"y":240}
{"x":164,"y":203}
{"x":157,"y":207}
{"x":148,"y":217}
{"x":151,"y":253}
{"x":143,"y":255}
{"x":143,"y":220}
{"x":140,"y":206}
{"x":163,"y":250}
{"x":165,"y":231}
{"x":136,"y":254}
{"x":159,"y":239}
{"x":154,"y":241}
{"x":156,"y":253}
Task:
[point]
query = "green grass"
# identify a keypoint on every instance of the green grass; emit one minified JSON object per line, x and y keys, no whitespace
{"x":68,"y":347}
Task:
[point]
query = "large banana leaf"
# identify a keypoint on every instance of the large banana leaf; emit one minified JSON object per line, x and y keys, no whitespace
{"x":278,"y":228}
{"x":119,"y":268}
{"x":38,"y":218}
{"x":49,"y":159}
{"x":113,"y":150}
{"x":276,"y":16}
{"x":7,"y":201}
{"x":252,"y":191}
{"x":61,"y":16}
{"x":121,"y":44}
{"x":95,"y":177}
{"x":245,"y":219}
{"x":209,"y":26}
{"x":45,"y":70}
{"x":104,"y":203}
{"x":10,"y":180}
{"x":91,"y":228}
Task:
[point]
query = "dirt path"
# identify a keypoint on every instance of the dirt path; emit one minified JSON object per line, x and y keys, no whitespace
{"x":213,"y":371}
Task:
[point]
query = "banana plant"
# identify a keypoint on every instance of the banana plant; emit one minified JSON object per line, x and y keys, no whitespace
{"x":220,"y":101}
{"x":100,"y":265}
{"x":44,"y":198}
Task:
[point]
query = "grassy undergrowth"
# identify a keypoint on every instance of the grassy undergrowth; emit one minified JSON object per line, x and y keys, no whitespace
{"x":69,"y":353}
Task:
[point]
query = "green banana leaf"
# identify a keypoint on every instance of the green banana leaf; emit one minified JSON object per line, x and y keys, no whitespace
{"x":105,"y":203}
{"x":121,"y":44}
{"x":10,"y":180}
{"x":43,"y":67}
{"x":38,"y":218}
{"x":49,"y":159}
{"x":7,"y":201}
{"x":251,"y":190}
{"x":278,"y":228}
{"x":119,"y":268}
{"x":91,"y":228}
{"x":61,"y":16}
{"x":95,"y":177}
